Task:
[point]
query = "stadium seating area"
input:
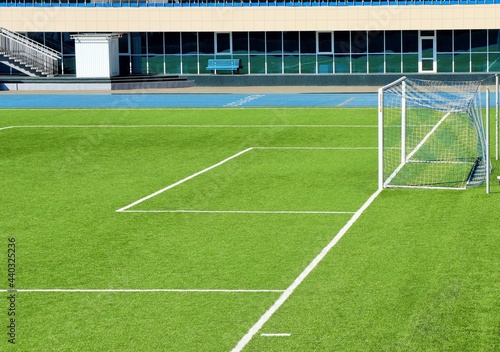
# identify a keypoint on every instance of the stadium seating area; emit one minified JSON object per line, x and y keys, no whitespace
{"x":232,"y":3}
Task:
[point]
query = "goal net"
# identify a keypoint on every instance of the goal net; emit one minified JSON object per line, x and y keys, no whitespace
{"x":431,"y":135}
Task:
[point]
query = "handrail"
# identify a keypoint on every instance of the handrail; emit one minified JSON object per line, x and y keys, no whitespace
{"x":52,"y":43}
{"x":31,"y":43}
{"x":29,"y":52}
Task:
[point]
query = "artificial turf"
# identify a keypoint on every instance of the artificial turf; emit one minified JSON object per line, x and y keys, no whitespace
{"x":417,"y":272}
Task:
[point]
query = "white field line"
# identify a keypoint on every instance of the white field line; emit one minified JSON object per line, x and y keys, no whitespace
{"x":237,"y":211}
{"x":428,"y":187}
{"x":345,"y":102}
{"x":91,"y":290}
{"x":319,"y":148}
{"x":288,"y":292}
{"x":441,"y":162}
{"x":279,"y":334}
{"x":182,"y":181}
{"x":195,"y":126}
{"x":6,"y":128}
{"x":244,"y":100}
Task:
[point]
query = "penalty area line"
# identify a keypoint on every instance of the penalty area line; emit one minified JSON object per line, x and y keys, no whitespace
{"x":182,"y":181}
{"x":317,"y":148}
{"x":288,"y":292}
{"x":238,"y":211}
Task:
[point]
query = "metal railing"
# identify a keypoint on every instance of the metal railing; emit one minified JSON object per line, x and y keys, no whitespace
{"x":29,"y":53}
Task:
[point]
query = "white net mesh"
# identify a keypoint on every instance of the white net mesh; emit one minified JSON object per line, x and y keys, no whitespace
{"x":433,"y":134}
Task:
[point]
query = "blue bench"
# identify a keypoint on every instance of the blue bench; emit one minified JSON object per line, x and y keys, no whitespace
{"x":232,"y":65}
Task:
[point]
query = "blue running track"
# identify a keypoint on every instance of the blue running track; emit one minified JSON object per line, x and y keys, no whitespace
{"x":175,"y":100}
{"x":77,"y":101}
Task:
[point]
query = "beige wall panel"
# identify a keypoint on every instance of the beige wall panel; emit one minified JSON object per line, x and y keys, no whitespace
{"x":250,"y":19}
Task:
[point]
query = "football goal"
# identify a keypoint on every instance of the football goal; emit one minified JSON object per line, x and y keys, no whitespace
{"x":431,"y":135}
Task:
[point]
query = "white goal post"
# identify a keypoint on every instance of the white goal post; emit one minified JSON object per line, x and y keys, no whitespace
{"x":431,"y":135}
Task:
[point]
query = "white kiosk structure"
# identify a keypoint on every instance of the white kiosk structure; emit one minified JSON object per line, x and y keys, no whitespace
{"x":97,"y":55}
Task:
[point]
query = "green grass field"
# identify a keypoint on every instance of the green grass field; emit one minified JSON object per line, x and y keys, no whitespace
{"x":194,"y":267}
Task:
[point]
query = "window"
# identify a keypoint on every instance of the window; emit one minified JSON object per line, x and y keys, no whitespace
{"x":410,"y":42}
{"x":206,"y":43}
{"x":257,"y":42}
{"x":307,"y":42}
{"x":290,"y":42}
{"x":223,"y":42}
{"x":274,"y":42}
{"x":461,"y":41}
{"x":240,"y":42}
{"x":375,"y":42}
{"x":172,"y":43}
{"x":325,"y":42}
{"x":342,"y":43}
{"x":444,"y":42}
{"x":359,"y":42}
{"x":189,"y":43}
{"x":155,"y":43}
{"x":393,"y":41}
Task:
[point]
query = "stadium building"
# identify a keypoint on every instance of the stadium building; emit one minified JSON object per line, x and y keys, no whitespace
{"x":278,"y":38}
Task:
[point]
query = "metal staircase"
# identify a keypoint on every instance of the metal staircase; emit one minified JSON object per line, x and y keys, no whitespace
{"x":27,"y":56}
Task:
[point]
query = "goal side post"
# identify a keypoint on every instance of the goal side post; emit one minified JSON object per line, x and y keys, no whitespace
{"x":496,"y":116}
{"x":381,"y":130}
{"x":380,"y":138}
{"x":487,"y":133}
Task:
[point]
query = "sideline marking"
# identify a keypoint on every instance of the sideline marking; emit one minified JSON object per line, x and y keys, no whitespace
{"x":195,"y":126}
{"x":182,"y":181}
{"x":276,"y":335}
{"x":238,"y":211}
{"x":6,"y":128}
{"x":83,"y":290}
{"x":288,"y":292}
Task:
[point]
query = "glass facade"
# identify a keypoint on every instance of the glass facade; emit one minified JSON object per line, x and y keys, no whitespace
{"x":281,"y":53}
